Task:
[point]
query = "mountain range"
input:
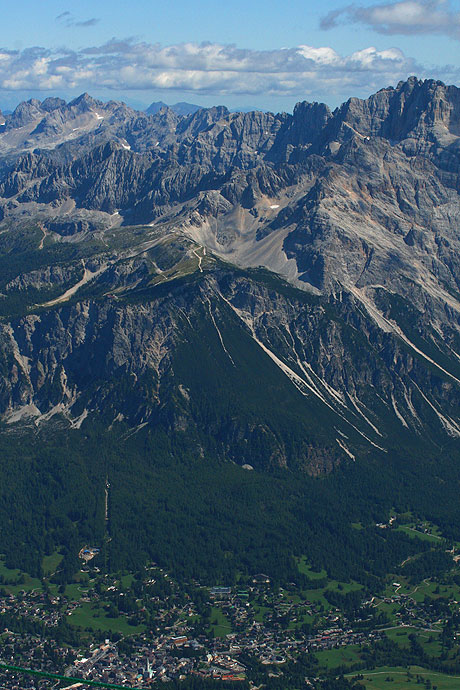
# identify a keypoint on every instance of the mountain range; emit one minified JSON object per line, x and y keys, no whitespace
{"x":275,"y":291}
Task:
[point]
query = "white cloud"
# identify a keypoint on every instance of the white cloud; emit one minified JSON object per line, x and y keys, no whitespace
{"x":407,"y":17}
{"x":205,"y":68}
{"x":322,"y":56}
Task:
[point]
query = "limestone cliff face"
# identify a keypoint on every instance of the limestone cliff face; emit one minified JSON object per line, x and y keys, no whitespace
{"x":125,"y":235}
{"x":352,"y":386}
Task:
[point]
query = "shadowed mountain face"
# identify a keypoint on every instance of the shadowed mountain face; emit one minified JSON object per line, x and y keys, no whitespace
{"x":280,"y":290}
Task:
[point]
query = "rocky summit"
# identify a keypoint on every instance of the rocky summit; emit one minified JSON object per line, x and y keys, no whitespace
{"x":276,"y":290}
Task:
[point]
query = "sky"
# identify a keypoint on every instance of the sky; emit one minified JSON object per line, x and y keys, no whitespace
{"x":242,"y":54}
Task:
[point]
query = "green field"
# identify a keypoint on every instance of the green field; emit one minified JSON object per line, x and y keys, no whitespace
{"x":50,"y":563}
{"x":435,"y":591}
{"x":96,"y":619}
{"x":75,"y":591}
{"x":332,"y":658}
{"x":221,"y":626}
{"x":428,"y":640}
{"x":306,"y":569}
{"x":126,"y":581}
{"x":426,"y":588}
{"x":26,"y":583}
{"x":316,"y":596}
{"x":260,"y":611}
{"x":419,"y":535}
{"x":401,"y":678}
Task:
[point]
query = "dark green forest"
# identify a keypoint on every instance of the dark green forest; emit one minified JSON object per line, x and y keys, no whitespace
{"x":204,"y":518}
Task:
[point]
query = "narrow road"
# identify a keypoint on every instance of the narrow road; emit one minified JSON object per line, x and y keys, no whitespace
{"x":199,"y":260}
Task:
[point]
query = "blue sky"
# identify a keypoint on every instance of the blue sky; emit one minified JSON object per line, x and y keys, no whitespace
{"x":242,"y":53}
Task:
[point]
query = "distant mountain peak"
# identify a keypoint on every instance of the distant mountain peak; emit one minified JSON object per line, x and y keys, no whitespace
{"x":50,"y":104}
{"x":155,"y":107}
{"x":85,"y":101}
{"x":181,"y":108}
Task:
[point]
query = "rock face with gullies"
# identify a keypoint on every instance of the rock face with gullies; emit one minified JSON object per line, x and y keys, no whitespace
{"x":349,"y":387}
{"x":314,"y":255}
{"x":414,"y":109}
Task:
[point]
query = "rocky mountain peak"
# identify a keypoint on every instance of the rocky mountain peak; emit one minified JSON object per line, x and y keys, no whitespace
{"x":85,"y":102}
{"x":155,"y":107}
{"x":414,"y":108}
{"x":307,"y":123}
{"x":50,"y":104}
{"x":24,"y":113}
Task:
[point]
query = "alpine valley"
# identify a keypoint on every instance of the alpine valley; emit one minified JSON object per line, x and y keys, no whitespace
{"x":226,"y":339}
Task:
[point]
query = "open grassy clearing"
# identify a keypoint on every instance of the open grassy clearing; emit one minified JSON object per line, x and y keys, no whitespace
{"x":306,"y":569}
{"x":424,"y":536}
{"x":75,"y":591}
{"x":430,"y":641}
{"x":85,"y":616}
{"x":51,"y":563}
{"x":24,"y":581}
{"x":343,"y":587}
{"x":426,"y":588}
{"x":126,"y":581}
{"x":435,"y":590}
{"x":220,"y":625}
{"x":398,"y":585}
{"x":332,"y":658}
{"x":260,"y":611}
{"x":406,"y":678}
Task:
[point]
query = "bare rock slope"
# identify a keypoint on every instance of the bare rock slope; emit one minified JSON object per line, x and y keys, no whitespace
{"x":315,"y":254}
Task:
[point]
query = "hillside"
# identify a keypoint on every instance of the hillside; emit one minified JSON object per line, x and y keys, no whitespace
{"x":183,"y":295}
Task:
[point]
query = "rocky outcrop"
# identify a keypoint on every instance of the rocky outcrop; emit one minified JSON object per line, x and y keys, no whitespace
{"x":141,"y":238}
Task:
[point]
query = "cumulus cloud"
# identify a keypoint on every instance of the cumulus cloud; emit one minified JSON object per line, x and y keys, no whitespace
{"x":407,"y":17}
{"x":205,"y":68}
{"x":67,"y":19}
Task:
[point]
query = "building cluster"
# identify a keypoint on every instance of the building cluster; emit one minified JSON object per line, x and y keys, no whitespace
{"x":257,"y":623}
{"x":36,"y":604}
